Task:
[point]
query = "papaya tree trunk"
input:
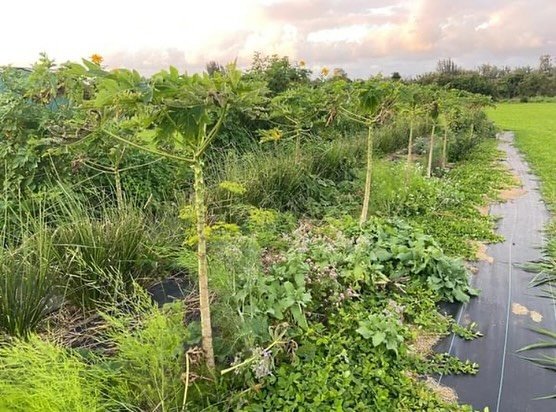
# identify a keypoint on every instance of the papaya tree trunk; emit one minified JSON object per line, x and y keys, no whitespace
{"x":410,"y":143}
{"x":118,"y":179}
{"x":431,"y":149}
{"x":368,"y":177}
{"x":409,"y":152}
{"x":298,"y":148}
{"x":445,"y":148}
{"x":204,"y":301}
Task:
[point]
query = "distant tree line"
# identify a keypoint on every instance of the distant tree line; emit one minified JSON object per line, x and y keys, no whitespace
{"x":499,"y":82}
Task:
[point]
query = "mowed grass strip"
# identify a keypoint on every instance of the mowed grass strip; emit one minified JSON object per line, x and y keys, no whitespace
{"x":535,"y":127}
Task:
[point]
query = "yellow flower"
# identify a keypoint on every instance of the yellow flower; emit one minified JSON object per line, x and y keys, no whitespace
{"x":97,"y":59}
{"x":301,"y":63}
{"x":324,"y":71}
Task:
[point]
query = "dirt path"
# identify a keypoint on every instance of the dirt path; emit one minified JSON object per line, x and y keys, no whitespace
{"x":507,"y":307}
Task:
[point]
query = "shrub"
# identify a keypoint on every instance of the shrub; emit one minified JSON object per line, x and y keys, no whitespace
{"x":150,"y":356}
{"x":40,"y":376}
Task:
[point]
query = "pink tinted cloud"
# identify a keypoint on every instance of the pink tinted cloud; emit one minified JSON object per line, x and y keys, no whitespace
{"x":365,"y":36}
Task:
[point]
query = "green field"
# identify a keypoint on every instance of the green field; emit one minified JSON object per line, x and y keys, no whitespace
{"x":535,"y":128}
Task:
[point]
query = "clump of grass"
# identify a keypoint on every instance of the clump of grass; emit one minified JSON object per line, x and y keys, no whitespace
{"x":41,"y":376}
{"x":101,"y":256}
{"x":338,"y":159}
{"x":275,"y":179}
{"x":27,"y":279}
{"x":271,"y":179}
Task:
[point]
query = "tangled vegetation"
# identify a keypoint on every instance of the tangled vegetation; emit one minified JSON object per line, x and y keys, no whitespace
{"x":231,"y":240}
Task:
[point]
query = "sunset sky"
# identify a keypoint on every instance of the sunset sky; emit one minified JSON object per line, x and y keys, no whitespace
{"x":362,"y":36}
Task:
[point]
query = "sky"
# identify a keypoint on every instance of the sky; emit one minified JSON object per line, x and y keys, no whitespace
{"x":364,"y":37}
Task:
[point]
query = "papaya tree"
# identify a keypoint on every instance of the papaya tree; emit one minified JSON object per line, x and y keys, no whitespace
{"x":433,"y":111}
{"x":175,"y":116}
{"x":370,"y":105}
{"x":411,"y":105}
{"x":450,"y":113}
{"x":475,"y":103}
{"x":293,"y":113}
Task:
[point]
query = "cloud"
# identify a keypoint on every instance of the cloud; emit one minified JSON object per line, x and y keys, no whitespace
{"x":421,"y":32}
{"x":362,"y":36}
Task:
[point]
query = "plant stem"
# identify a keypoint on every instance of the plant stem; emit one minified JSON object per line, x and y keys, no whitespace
{"x":204,"y":303}
{"x":186,"y":383}
{"x":368,"y":177}
{"x":252,"y":358}
{"x":410,"y":143}
{"x":445,"y":148}
{"x":431,"y":148}
{"x":297,"y":148}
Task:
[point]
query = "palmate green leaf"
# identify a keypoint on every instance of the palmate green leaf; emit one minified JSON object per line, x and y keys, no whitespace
{"x":370,"y":98}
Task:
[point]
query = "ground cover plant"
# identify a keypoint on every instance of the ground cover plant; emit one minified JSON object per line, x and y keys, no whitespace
{"x":301,"y":254}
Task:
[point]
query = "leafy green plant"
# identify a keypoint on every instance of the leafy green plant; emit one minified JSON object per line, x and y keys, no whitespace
{"x":336,"y":368}
{"x":31,"y":114}
{"x":383,"y":329}
{"x":445,"y":364}
{"x":287,"y":293}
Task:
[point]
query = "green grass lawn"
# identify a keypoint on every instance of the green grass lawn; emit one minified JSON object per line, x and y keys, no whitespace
{"x":535,"y":128}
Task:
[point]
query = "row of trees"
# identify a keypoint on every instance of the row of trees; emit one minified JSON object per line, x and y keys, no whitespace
{"x":497,"y":82}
